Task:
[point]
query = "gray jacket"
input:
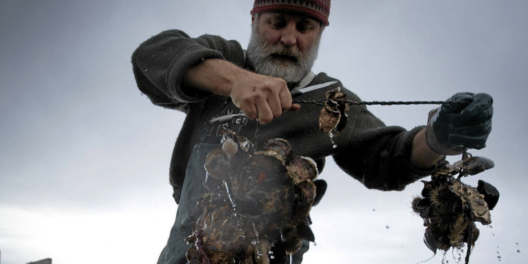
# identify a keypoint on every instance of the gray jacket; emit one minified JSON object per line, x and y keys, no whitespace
{"x":376,"y":155}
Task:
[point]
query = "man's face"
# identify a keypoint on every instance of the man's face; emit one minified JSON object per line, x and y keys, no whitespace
{"x":284,"y":45}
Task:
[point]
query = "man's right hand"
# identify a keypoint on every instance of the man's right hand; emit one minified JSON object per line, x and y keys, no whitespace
{"x":259,"y":96}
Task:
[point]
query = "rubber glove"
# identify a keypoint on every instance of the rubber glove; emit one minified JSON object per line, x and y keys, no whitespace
{"x":464,"y":122}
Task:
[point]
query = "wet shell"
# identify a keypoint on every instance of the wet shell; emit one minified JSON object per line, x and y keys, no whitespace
{"x":478,"y":205}
{"x":491,"y":194}
{"x":217,"y":164}
{"x":475,"y":165}
{"x":280,"y":148}
{"x":309,"y":190}
{"x":301,"y":169}
{"x":329,"y":117}
{"x":244,"y":143}
{"x":230,"y":147}
{"x":270,"y":165}
{"x":333,"y":117}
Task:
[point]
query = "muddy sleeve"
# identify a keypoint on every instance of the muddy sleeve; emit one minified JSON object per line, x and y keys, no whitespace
{"x":160,"y":63}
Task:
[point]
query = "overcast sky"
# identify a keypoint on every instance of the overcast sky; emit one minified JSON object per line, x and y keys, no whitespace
{"x":84,"y":156}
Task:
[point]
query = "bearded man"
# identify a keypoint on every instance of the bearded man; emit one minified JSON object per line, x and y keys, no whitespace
{"x":218,"y":84}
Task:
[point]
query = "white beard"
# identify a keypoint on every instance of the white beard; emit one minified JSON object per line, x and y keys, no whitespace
{"x":264,"y":58}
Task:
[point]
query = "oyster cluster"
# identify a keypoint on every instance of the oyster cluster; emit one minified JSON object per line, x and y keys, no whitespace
{"x":333,"y":117}
{"x":257,"y":210}
{"x":450,"y":208}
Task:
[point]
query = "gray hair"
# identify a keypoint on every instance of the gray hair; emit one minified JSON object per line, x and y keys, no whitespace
{"x":259,"y":52}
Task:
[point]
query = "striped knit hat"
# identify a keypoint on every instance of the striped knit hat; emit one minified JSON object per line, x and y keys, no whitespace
{"x":319,"y":9}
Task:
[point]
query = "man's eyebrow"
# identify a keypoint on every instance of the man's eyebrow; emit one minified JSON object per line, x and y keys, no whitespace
{"x":278,"y":15}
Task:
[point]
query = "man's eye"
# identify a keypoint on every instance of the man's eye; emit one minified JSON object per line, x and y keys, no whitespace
{"x":304,"y":27}
{"x":277,"y":24}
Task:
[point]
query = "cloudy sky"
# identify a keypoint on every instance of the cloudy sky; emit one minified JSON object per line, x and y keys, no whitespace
{"x":84,"y":156}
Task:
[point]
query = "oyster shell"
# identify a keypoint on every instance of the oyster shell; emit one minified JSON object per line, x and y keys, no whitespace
{"x":302,"y":168}
{"x":333,"y":117}
{"x":217,"y":164}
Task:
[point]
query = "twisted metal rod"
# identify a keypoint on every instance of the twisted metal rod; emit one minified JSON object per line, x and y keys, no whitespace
{"x":321,"y":102}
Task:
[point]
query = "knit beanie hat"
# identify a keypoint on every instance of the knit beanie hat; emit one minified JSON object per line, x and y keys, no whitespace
{"x":319,"y":9}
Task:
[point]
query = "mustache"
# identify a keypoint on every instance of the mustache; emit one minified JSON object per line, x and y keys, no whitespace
{"x":290,"y":53}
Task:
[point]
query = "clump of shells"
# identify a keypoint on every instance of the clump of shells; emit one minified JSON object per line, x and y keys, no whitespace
{"x":259,"y":204}
{"x":450,"y":207}
{"x":333,"y":117}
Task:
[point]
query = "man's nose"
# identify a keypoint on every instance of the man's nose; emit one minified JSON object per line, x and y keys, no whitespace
{"x":289,"y":35}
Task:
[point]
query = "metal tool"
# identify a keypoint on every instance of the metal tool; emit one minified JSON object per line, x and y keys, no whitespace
{"x":297,"y":92}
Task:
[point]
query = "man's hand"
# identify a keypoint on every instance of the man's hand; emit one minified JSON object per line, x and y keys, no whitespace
{"x":259,"y":96}
{"x":465,"y":122}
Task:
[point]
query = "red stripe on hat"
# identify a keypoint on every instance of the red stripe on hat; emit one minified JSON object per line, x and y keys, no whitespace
{"x":319,"y":9}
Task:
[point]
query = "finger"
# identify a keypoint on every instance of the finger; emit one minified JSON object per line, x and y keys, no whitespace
{"x":285,"y":99}
{"x":294,"y":108}
{"x":478,"y":142}
{"x":250,"y":111}
{"x":465,"y":120}
{"x":461,"y":97}
{"x":264,"y":112}
{"x":275,"y":105}
{"x":480,"y":108}
{"x":474,"y":130}
{"x":457,"y":102}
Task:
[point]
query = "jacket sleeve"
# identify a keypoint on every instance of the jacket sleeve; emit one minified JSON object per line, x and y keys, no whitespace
{"x":378,"y":155}
{"x":160,"y":63}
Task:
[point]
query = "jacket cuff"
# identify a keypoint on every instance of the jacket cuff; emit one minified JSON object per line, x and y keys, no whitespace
{"x":437,"y":144}
{"x":413,"y":172}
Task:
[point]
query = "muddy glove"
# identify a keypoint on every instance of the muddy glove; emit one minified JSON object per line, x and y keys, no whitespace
{"x":464,"y":122}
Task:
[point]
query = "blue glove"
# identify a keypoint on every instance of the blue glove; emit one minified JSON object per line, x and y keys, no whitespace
{"x":464,"y":122}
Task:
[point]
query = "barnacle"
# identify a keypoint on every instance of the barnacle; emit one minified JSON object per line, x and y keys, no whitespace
{"x":450,"y":207}
{"x":260,"y":202}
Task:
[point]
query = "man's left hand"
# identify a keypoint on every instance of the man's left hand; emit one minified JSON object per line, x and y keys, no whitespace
{"x":463,"y":122}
